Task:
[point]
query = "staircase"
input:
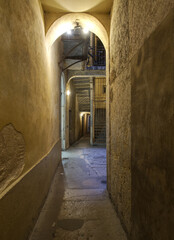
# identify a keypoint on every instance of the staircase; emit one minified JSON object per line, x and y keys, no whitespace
{"x":100,"y":128}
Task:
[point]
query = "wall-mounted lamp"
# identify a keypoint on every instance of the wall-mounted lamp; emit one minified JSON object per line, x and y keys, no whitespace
{"x":68,"y":92}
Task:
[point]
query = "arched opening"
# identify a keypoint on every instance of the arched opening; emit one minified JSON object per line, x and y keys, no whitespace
{"x":64,"y":24}
{"x":95,"y":79}
{"x":61,"y":25}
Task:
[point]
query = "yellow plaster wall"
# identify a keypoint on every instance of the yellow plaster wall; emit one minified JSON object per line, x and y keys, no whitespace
{"x":29,"y":79}
{"x":29,"y":115}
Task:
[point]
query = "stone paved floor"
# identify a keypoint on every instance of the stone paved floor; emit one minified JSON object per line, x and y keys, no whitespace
{"x":77,"y":206}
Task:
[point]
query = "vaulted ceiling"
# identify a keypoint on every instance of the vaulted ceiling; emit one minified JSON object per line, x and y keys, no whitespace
{"x":97,"y":6}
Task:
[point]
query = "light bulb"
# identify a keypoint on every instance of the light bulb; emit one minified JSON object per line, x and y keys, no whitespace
{"x":69,"y":32}
{"x":68,"y":92}
{"x":85,"y":30}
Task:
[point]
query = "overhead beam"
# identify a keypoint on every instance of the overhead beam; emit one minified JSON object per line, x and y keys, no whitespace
{"x":75,"y":74}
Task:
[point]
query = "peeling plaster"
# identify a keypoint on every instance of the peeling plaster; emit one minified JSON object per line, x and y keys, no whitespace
{"x":12,"y":155}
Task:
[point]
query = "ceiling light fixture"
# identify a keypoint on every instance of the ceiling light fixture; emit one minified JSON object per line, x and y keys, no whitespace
{"x":77,"y":24}
{"x":78,"y":29}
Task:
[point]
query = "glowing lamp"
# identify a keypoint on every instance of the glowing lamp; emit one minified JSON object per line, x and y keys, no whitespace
{"x":86,"y":30}
{"x":68,"y":92}
{"x":69,"y":32}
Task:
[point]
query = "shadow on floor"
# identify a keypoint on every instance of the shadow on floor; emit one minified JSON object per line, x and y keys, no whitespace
{"x":78,"y":206}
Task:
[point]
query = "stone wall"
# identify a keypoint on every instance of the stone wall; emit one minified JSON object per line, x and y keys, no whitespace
{"x":152,"y":135}
{"x":29,"y":114}
{"x":141,"y":116}
{"x":120,"y":113}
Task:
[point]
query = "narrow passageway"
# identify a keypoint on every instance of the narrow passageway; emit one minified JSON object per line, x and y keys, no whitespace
{"x":78,"y":206}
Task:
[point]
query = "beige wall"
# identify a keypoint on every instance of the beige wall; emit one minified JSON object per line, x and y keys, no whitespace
{"x":71,"y":112}
{"x":152,"y":134}
{"x":120,"y":113}
{"x":78,"y":126}
{"x":73,"y":124}
{"x":29,"y":105}
{"x":141,"y":103}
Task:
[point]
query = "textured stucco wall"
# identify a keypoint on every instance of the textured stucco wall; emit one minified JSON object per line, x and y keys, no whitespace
{"x":144,"y":17}
{"x":29,"y":94}
{"x":29,"y":109}
{"x":153,"y":135}
{"x":137,"y":107}
{"x":12,"y":155}
{"x":120,"y":109}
